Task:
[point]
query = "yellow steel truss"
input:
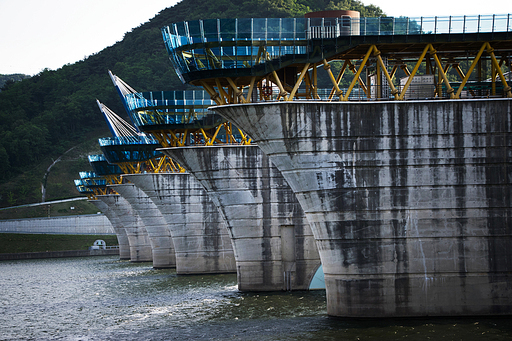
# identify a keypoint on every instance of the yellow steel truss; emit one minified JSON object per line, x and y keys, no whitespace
{"x":230,"y":91}
{"x":162,"y":164}
{"x":172,"y":138}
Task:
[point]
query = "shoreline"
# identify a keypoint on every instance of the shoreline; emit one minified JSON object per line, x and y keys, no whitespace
{"x":57,"y":254}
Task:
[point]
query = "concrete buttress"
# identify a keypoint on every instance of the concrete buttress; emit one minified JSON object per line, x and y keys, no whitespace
{"x":410,"y":202}
{"x":199,"y":234}
{"x":140,"y":247}
{"x":122,"y":238}
{"x":273,"y":244}
{"x":159,"y":233}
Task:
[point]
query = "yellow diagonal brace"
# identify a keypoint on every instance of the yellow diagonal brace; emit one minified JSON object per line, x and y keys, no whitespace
{"x":470,"y":70}
{"x":360,"y":80}
{"x":405,"y":69}
{"x":251,"y":88}
{"x":221,"y":90}
{"x":214,"y":135}
{"x":327,"y":68}
{"x":283,"y":92}
{"x":299,"y":80}
{"x":338,"y":79}
{"x":213,"y":94}
{"x":205,"y":136}
{"x":394,"y":92}
{"x":245,"y":140}
{"x":449,"y":89}
{"x":506,"y":88}
{"x":393,"y":71}
{"x":315,"y":82}
{"x":184,"y":138}
{"x":237,"y":91}
{"x":175,"y":139}
{"x":416,"y":67}
{"x":358,"y":73}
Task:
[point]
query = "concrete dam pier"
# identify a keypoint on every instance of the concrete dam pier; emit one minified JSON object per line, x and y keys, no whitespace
{"x":272,"y":241}
{"x":201,"y":241}
{"x":122,"y":238}
{"x":162,"y":247}
{"x":140,"y":246}
{"x":409,"y":202}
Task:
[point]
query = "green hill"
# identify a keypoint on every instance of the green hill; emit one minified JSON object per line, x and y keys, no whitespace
{"x":54,"y":114}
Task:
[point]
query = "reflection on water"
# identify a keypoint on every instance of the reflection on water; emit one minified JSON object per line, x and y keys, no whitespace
{"x":102,"y":298}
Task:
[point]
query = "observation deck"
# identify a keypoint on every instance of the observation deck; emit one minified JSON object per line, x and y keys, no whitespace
{"x":230,"y":58}
{"x":136,"y":154}
{"x":91,"y":184}
{"x":179,"y":118}
{"x":100,"y":165}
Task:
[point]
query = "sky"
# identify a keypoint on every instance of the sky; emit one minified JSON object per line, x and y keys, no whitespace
{"x":39,"y":34}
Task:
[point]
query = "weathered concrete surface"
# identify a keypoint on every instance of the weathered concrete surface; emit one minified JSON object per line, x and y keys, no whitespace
{"x":273,"y":244}
{"x":122,"y":238}
{"x":159,"y":233}
{"x":410,"y":202}
{"x":200,"y":237}
{"x":140,"y":247}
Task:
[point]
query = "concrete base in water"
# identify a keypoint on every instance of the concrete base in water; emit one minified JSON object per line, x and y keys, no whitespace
{"x":140,"y":247}
{"x":122,"y":238}
{"x":198,"y":231}
{"x":273,"y":244}
{"x":159,"y":234}
{"x":410,"y":202}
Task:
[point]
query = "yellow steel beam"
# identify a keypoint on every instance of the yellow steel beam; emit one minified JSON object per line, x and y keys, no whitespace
{"x":251,"y":88}
{"x":393,"y":71}
{"x":213,"y":94}
{"x":335,"y":89}
{"x":245,"y":140}
{"x":416,"y":67}
{"x":214,"y":137}
{"x":239,"y":94}
{"x":405,"y":69}
{"x":358,"y":73}
{"x":299,"y":81}
{"x":223,"y":95}
{"x":449,"y":89}
{"x":283,"y":92}
{"x":471,"y":68}
{"x":315,"y":82}
{"x":496,"y":65}
{"x":380,"y":62}
{"x":360,"y":80}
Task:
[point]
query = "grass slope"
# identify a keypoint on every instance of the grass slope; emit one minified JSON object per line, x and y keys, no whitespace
{"x":17,"y":243}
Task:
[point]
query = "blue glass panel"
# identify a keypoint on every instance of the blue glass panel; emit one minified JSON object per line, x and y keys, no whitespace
{"x":234,"y":43}
{"x":85,"y":175}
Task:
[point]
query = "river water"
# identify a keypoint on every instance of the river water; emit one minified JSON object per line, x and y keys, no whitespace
{"x":103,"y":298}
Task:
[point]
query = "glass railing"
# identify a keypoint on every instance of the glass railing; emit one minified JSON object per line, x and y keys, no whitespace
{"x":123,"y":156}
{"x":81,"y":187}
{"x":128,"y":140}
{"x":91,"y":182}
{"x":97,"y":158}
{"x":87,"y":175}
{"x":168,"y":107}
{"x":245,"y":43}
{"x":172,"y":101}
{"x":102,"y":167}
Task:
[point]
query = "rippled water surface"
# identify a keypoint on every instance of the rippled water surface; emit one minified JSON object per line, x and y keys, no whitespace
{"x":102,"y":298}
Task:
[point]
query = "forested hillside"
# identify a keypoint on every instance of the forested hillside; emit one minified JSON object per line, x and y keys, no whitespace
{"x":8,"y":79}
{"x":46,"y":115}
